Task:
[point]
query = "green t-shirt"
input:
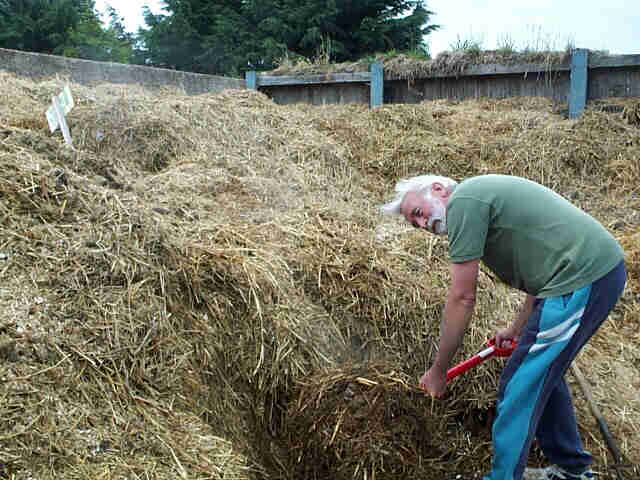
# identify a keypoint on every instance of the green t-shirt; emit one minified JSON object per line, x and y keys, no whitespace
{"x":532,"y":238}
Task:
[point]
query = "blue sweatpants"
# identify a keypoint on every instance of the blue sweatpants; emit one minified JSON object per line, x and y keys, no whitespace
{"x":533,"y":397}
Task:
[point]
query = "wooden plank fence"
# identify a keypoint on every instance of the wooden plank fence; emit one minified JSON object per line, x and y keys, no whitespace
{"x":603,"y":76}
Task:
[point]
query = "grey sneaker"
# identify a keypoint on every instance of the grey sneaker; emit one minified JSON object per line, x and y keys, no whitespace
{"x":555,"y":472}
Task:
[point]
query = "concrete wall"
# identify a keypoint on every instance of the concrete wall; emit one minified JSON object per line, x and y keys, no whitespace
{"x":86,"y":72}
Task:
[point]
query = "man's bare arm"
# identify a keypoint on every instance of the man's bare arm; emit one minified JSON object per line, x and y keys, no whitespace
{"x":458,"y":310}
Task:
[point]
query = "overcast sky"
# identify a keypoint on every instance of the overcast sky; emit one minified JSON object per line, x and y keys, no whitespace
{"x":131,"y":11}
{"x":612,"y":25}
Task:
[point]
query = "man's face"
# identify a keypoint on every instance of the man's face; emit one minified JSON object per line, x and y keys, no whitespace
{"x":425,"y":211}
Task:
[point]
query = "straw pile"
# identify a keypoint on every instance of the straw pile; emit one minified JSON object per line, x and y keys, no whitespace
{"x":203,"y":288}
{"x":631,"y":114}
{"x":450,"y":63}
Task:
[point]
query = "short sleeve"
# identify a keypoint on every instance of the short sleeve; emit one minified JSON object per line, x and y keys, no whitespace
{"x":467,"y":227}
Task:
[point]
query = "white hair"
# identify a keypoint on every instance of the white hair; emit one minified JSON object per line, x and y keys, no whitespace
{"x":414,"y":184}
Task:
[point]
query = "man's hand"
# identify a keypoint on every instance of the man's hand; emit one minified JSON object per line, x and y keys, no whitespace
{"x":434,"y":381}
{"x":512,"y":333}
{"x":507,"y":336}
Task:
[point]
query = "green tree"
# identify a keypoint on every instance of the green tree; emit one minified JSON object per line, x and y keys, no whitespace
{"x":39,"y":25}
{"x":64,"y":27}
{"x":172,"y":41}
{"x":120,"y":44}
{"x":358,"y":28}
{"x":230,"y":37}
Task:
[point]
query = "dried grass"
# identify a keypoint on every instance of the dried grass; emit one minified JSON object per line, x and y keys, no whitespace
{"x":203,"y":288}
{"x":631,"y":113}
{"x":448,"y":63}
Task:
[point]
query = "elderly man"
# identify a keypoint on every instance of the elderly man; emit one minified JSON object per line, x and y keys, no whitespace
{"x":571,"y":269}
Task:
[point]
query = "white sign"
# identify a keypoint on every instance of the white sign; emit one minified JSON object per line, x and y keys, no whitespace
{"x":61,"y":105}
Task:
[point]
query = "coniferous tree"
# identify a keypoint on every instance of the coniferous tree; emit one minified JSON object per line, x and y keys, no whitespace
{"x":39,"y":25}
{"x":230,"y":37}
{"x":71,"y":28}
{"x":121,"y":45}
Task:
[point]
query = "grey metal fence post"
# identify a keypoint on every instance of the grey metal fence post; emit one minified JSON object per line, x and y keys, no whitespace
{"x":251,"y":79}
{"x":377,"y":85}
{"x":579,"y":81}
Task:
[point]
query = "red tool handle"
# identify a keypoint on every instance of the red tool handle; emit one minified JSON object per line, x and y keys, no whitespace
{"x":471,"y":362}
{"x":480,"y":357}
